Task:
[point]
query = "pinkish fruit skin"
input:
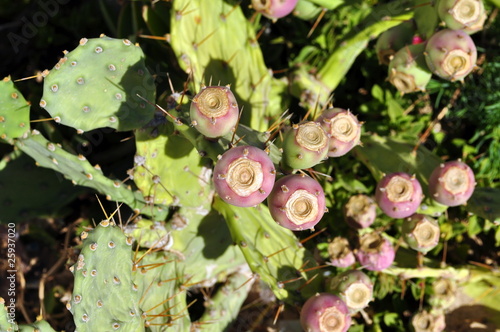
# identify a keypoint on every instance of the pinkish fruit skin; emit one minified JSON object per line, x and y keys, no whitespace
{"x":398,"y":195}
{"x":304,"y":145}
{"x":344,"y":130}
{"x":375,"y":253}
{"x":421,"y":232}
{"x":297,"y":202}
{"x":452,"y":183}
{"x":461,"y":14}
{"x":340,"y":253}
{"x":214,"y":111}
{"x":360,"y":211}
{"x":239,"y":163}
{"x":451,"y":54}
{"x":392,"y":40}
{"x":354,"y":287}
{"x":274,"y":9}
{"x":325,"y":313}
{"x":408,"y":71}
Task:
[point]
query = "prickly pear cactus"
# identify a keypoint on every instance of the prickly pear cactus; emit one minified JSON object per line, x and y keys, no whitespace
{"x":100,"y":84}
{"x":14,"y":111}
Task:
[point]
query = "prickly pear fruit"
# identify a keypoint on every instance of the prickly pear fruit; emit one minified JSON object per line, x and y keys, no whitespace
{"x":360,"y":211}
{"x":375,"y":252}
{"x":424,"y":321}
{"x":344,"y":130}
{"x":325,"y":313}
{"x":297,"y":202}
{"x":459,"y":14}
{"x":398,"y":195}
{"x":354,"y":288}
{"x":408,"y":71}
{"x":421,"y":232}
{"x":304,"y":145}
{"x":452,"y":183}
{"x":340,"y":253}
{"x":451,"y":54}
{"x":214,"y":111}
{"x":274,"y":9}
{"x":392,"y":40}
{"x":443,"y":294}
{"x":244,"y":176}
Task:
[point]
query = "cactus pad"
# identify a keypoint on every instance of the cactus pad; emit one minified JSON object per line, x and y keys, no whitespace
{"x":14,"y":111}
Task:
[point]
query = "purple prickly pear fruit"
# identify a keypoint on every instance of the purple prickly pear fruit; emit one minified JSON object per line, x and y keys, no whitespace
{"x":244,"y":176}
{"x":424,"y":321}
{"x":214,"y":111}
{"x":408,"y":71}
{"x":451,"y":54}
{"x":297,"y":202}
{"x":360,"y":211}
{"x":398,"y":195}
{"x":460,"y":14}
{"x":325,"y":313}
{"x":392,"y":40}
{"x":304,"y":145}
{"x":354,"y":288}
{"x":375,"y":252}
{"x":452,"y":183}
{"x":344,"y":130}
{"x":340,"y":253}
{"x":421,"y":232}
{"x":274,"y":9}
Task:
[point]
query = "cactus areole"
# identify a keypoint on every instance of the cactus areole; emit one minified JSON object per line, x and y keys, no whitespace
{"x":325,"y":313}
{"x":297,"y":202}
{"x":344,"y":130}
{"x":214,"y":111}
{"x":274,"y":9}
{"x":244,"y":176}
{"x":452,"y":183}
{"x":398,"y":195}
{"x":305,"y":145}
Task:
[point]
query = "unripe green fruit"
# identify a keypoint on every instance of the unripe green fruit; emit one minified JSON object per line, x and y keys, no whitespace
{"x":408,"y":71}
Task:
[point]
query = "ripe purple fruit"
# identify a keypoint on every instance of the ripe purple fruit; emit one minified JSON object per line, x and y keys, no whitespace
{"x":408,"y":71}
{"x":460,"y":14}
{"x":340,"y":253}
{"x":354,"y":288}
{"x":451,"y":54}
{"x":297,"y":202}
{"x":452,"y":183}
{"x":214,"y":111}
{"x":398,"y":195}
{"x":344,"y":130}
{"x":274,"y":9}
{"x":325,"y":313}
{"x":375,"y":252}
{"x":392,"y":40}
{"x":304,"y":145}
{"x":244,"y":176}
{"x":421,"y":232}
{"x":360,"y":211}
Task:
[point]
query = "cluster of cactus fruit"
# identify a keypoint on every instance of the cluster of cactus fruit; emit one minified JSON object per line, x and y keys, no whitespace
{"x":413,"y":53}
{"x":219,"y":198}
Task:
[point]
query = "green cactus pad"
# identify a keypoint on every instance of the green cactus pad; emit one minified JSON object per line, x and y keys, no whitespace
{"x":38,"y":326}
{"x":96,"y":85}
{"x":7,"y":322}
{"x":14,"y":111}
{"x":81,"y":172}
{"x":105,"y":297}
{"x":273,"y":252}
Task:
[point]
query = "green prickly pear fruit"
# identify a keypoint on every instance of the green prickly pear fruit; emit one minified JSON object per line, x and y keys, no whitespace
{"x":305,"y":145}
{"x":451,"y":54}
{"x":393,"y":39}
{"x":297,"y":202}
{"x":408,"y":70}
{"x":214,"y":111}
{"x":274,"y":9}
{"x":425,"y":321}
{"x":461,"y":14}
{"x":360,"y":211}
{"x":421,"y":232}
{"x":354,"y":287}
{"x":343,"y":128}
{"x":452,"y":183}
{"x":444,"y":293}
{"x":244,"y":176}
{"x":325,"y":313}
